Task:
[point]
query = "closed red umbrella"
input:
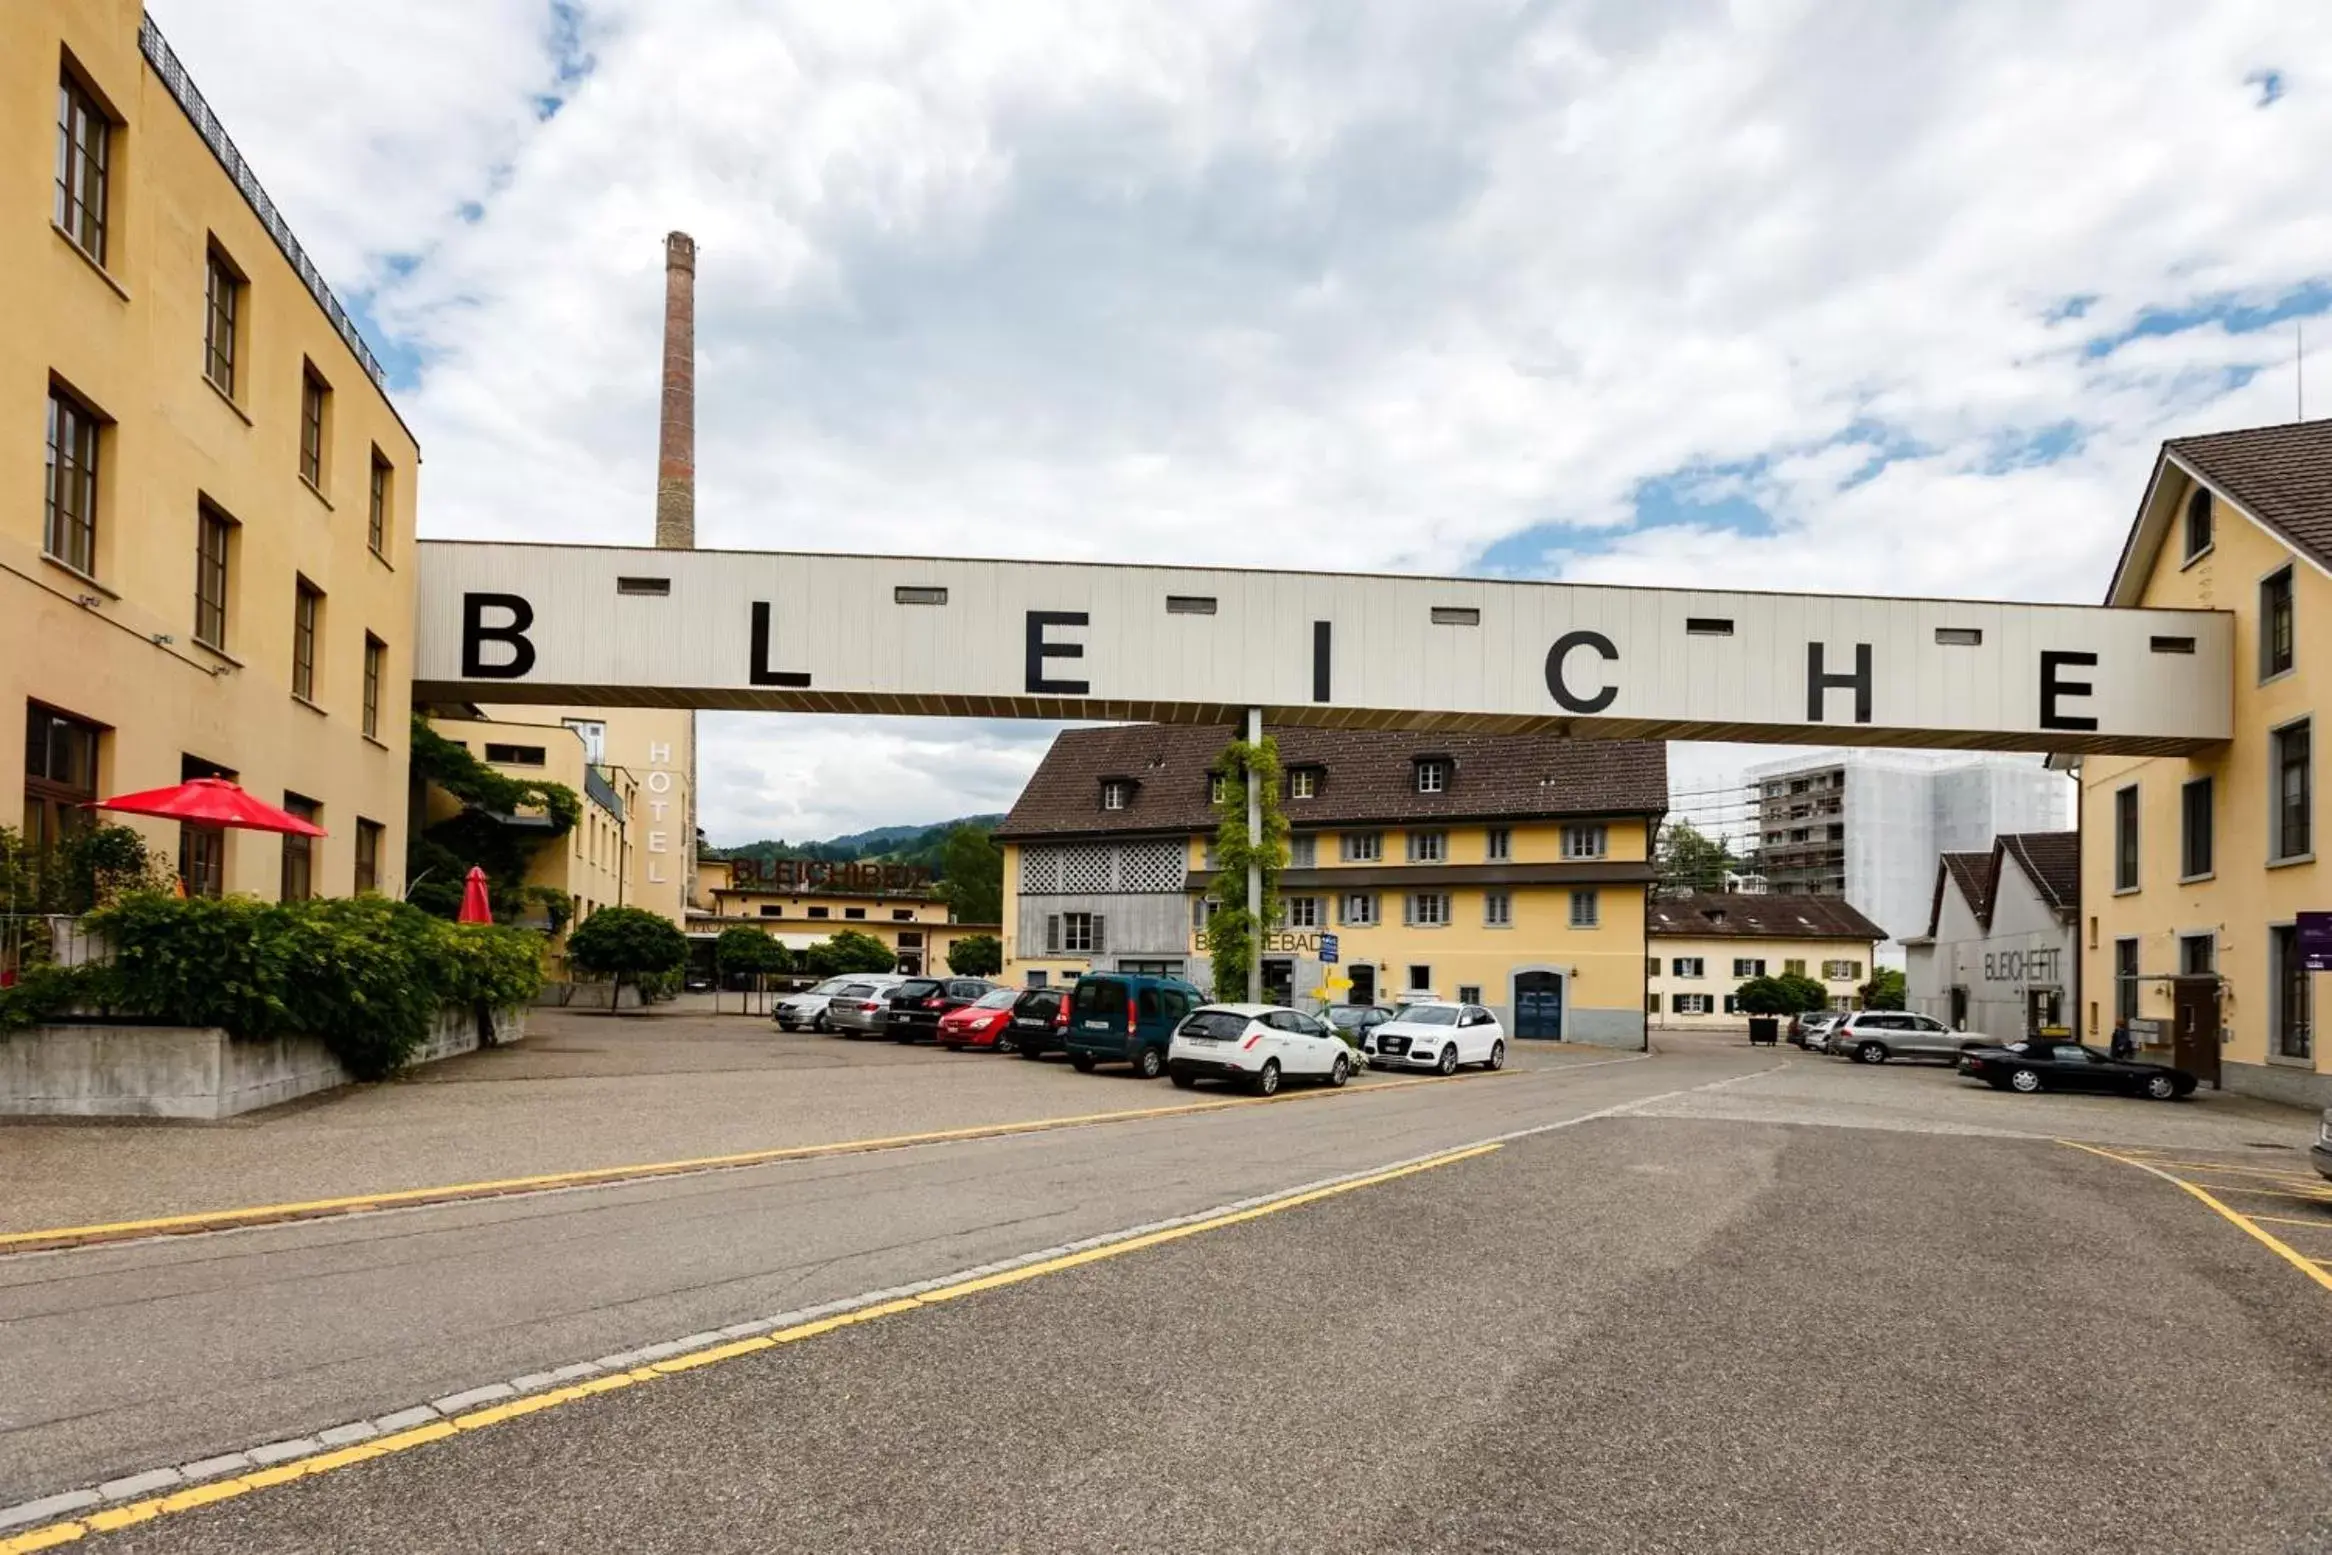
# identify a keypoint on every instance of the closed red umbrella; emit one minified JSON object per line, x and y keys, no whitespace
{"x":477,"y":907}
{"x":211,"y":802}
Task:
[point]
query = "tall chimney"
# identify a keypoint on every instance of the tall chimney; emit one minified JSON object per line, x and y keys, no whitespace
{"x":676,"y":442}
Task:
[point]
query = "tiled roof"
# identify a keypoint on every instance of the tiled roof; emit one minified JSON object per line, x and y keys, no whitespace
{"x":2281,"y":475}
{"x":1742,"y":916}
{"x":1366,"y":776}
{"x":2052,"y":862}
{"x":1977,"y":875}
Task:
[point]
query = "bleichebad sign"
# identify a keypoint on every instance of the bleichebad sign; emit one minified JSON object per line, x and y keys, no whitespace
{"x":619,"y":626}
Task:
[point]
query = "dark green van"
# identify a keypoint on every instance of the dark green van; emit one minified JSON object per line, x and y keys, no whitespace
{"x":1126,"y":1017}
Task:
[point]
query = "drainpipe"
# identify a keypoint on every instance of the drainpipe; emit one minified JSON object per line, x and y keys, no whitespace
{"x":1254,"y":870}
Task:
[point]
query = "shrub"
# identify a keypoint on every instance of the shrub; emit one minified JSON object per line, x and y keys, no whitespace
{"x":976,"y":955}
{"x":849,"y":951}
{"x":743,"y":948}
{"x":628,"y":943}
{"x":1788,"y":994}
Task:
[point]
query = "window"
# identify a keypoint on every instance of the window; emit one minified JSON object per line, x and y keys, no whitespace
{"x":1303,"y":852}
{"x":2198,"y":523}
{"x":202,"y":859}
{"x":1793,"y":968}
{"x":1420,"y":979}
{"x":1651,"y":966}
{"x":1190,"y":604}
{"x":2291,"y":831}
{"x":853,"y":912}
{"x":2125,"y":981}
{"x":1498,"y":844}
{"x":2275,"y":624}
{"x":2198,"y":955}
{"x":593,"y":733}
{"x":1362,"y":847}
{"x":1360,"y":908}
{"x":84,"y":148}
{"x":1303,"y":912}
{"x":1432,"y":776}
{"x":71,"y":533}
{"x":905,"y":915}
{"x":214,"y":540}
{"x":377,"y":507}
{"x":910,"y":941}
{"x":1732,"y":1004}
{"x":1471,"y":993}
{"x":1744,"y":966}
{"x":918,"y":594}
{"x":1428,"y":909}
{"x":314,"y":393}
{"x":60,"y":777}
{"x":1688,"y":966}
{"x":516,"y":755}
{"x":1498,"y":909}
{"x":1303,"y":783}
{"x":1428,"y":847}
{"x":1651,"y":1004}
{"x":1216,"y":787}
{"x":1586,"y":909}
{"x":1114,"y":792}
{"x":1583,"y":841}
{"x":299,"y":853}
{"x":368,"y":855}
{"x":2194,"y":829}
{"x":375,"y":654}
{"x":1841,"y":971}
{"x":1080,"y":933}
{"x":222,"y":305}
{"x":1692,"y":1004}
{"x":307,"y":612}
{"x":772,"y":912}
{"x":2125,"y":839}
{"x":2294,"y":1006}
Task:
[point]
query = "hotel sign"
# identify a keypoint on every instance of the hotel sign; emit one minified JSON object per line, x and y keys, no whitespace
{"x":609,"y":626}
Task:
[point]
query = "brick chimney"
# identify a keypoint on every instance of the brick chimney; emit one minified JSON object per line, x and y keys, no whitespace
{"x":676,"y":441}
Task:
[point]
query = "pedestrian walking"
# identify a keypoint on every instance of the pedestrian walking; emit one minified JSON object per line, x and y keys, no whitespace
{"x":2124,"y":1048}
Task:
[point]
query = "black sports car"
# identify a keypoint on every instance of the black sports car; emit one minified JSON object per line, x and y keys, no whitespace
{"x":2069,"y":1066}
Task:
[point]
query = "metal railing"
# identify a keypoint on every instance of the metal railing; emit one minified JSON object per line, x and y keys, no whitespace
{"x":156,"y":48}
{"x":601,"y":791}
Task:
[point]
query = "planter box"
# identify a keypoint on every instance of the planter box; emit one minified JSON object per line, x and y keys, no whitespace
{"x":102,"y":1071}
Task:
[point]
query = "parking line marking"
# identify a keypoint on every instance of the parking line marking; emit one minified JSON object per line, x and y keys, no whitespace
{"x":2283,"y":1173}
{"x":2268,"y":1239}
{"x":62,"y":1237}
{"x":131,"y":1513}
{"x":2292,"y":1220}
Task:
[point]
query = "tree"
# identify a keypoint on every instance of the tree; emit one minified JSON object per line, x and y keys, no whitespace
{"x":744,"y":948}
{"x":976,"y":955}
{"x":1234,"y":938}
{"x":1691,"y":860}
{"x":1788,"y":994}
{"x":626,"y":942}
{"x":971,"y":872}
{"x":1884,"y":991}
{"x":849,"y":951}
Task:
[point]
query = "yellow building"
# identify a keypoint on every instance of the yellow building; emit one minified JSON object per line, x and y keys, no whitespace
{"x":1705,"y":946}
{"x":800,"y":902}
{"x":2194,"y":869}
{"x":592,"y":866}
{"x":216,"y":576}
{"x":1503,"y":870}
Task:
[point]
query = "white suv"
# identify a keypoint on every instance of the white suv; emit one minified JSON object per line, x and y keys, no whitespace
{"x":1255,"y":1045}
{"x":1437,"y":1035}
{"x":1874,"y":1036}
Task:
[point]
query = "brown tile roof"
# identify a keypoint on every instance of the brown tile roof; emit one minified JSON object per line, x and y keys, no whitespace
{"x":1367,"y":778}
{"x":1978,"y":877}
{"x":1759,"y":917}
{"x":2052,"y":862}
{"x":2281,"y":475}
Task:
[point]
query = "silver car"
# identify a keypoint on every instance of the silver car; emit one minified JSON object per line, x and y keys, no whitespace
{"x":806,"y":1011}
{"x":861,"y":1006}
{"x":1874,"y":1036}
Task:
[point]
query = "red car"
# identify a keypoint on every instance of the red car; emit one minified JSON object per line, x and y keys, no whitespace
{"x":978,"y":1025}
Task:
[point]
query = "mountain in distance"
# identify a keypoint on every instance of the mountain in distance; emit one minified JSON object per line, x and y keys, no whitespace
{"x":891,"y":844}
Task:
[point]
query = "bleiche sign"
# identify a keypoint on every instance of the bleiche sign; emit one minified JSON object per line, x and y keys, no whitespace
{"x":801,"y":874}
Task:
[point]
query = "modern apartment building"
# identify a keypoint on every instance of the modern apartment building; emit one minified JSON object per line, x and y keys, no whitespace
{"x":1509,"y":871}
{"x":214,"y":578}
{"x":1703,"y":947}
{"x":1868,"y":825}
{"x":2195,"y":870}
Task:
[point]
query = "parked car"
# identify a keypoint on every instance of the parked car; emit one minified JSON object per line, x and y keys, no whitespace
{"x":806,"y":1011}
{"x":1256,"y":1045}
{"x":1806,"y":1030}
{"x":1126,"y":1017}
{"x":2036,"y":1065}
{"x":2321,"y":1152}
{"x":918,"y":1003}
{"x":981,"y":1023}
{"x":1038,"y":1018}
{"x":1439,"y":1036}
{"x":861,"y":1007}
{"x":1356,"y":1021}
{"x":1874,"y":1036}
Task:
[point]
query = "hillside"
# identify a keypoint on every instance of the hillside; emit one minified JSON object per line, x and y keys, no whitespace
{"x":892,"y":844}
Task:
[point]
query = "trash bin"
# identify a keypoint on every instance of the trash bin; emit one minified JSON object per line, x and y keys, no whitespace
{"x":1765,"y":1029}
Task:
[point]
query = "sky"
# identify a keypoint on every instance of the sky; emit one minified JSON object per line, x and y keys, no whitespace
{"x":1740,"y":293}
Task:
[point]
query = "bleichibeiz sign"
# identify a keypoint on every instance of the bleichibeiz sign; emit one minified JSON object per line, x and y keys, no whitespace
{"x":615,"y":626}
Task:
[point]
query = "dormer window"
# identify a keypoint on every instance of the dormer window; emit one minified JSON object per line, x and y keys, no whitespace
{"x":1303,"y":783}
{"x":1432,"y":774}
{"x":2198,"y":523}
{"x":1116,"y":793}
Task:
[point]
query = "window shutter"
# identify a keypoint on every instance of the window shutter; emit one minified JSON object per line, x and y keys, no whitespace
{"x":1099,"y":945}
{"x":1448,"y":909}
{"x":1053,"y":934}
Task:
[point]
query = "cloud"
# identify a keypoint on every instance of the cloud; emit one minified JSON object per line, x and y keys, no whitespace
{"x":1769,"y":294}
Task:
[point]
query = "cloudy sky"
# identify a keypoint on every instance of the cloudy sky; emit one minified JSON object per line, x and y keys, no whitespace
{"x":1767,"y":293}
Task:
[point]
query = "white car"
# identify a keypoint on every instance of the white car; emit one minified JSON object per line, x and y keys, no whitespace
{"x":1256,"y":1045}
{"x":1439,"y":1036}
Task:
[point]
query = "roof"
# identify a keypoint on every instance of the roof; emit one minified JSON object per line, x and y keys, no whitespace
{"x":1367,"y":777}
{"x":1758,"y":917}
{"x":2281,"y":476}
{"x":1976,"y":876}
{"x":2051,"y":860}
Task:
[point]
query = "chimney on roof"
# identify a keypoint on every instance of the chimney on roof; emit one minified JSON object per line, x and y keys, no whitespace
{"x":676,"y":439}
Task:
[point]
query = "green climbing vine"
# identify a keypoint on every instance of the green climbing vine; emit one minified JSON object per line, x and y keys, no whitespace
{"x":439,"y":857}
{"x":1232,"y":931}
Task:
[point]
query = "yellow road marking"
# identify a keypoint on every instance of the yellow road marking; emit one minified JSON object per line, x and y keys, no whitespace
{"x":314,"y":1209}
{"x":2287,"y":1173}
{"x":2251,"y":1228}
{"x":131,"y":1513}
{"x":2274,"y":1193}
{"x":2319,"y":1224}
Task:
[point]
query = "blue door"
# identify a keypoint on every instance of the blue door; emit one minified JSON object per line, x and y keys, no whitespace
{"x":1538,"y":1005}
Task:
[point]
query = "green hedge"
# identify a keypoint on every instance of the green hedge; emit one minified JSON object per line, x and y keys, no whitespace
{"x":366,"y":975}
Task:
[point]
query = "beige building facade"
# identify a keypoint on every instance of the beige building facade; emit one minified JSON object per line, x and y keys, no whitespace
{"x":206,"y":563}
{"x":798,"y":906}
{"x":1701,"y":948}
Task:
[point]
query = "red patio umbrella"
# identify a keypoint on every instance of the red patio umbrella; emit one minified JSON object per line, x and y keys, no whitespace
{"x":476,"y":907}
{"x":212,"y":802}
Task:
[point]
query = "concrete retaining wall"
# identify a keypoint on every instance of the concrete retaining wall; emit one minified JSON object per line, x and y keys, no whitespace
{"x":101,"y":1071}
{"x":2290,"y":1084}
